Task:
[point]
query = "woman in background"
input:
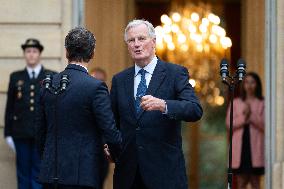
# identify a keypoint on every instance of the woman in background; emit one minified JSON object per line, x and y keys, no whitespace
{"x":248,"y":133}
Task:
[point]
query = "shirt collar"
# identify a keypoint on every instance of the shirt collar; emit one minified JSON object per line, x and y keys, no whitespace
{"x":81,"y":66}
{"x":36,"y":69}
{"x":149,"y":68}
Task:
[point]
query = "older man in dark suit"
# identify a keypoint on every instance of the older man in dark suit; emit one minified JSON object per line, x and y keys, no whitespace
{"x":74,"y":120}
{"x":149,"y":102}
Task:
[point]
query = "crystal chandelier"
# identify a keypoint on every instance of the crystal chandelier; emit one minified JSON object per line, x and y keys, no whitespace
{"x":193,"y":37}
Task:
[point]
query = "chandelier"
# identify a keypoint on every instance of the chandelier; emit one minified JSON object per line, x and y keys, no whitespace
{"x":193,"y":37}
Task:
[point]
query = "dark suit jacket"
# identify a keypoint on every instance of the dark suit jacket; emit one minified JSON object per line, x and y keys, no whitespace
{"x":82,"y":115}
{"x":152,"y":140}
{"x":22,"y":104}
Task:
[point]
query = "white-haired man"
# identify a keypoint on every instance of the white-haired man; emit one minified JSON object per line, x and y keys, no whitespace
{"x":149,"y":101}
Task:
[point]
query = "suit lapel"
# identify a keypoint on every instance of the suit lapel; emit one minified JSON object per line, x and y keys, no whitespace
{"x":129,"y":89}
{"x":156,"y":81}
{"x":41,"y":74}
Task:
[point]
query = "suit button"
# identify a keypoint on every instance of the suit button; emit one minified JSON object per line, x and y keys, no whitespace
{"x":140,"y":147}
{"x":32,"y":101}
{"x":15,"y":118}
{"x":32,"y":94}
{"x":32,"y":108}
{"x":32,"y":87}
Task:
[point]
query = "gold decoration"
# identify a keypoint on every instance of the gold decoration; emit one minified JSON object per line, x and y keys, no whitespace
{"x":192,"y":36}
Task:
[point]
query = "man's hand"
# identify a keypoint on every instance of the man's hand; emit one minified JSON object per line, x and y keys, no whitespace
{"x":10,"y":142}
{"x":107,"y":154}
{"x":150,"y":103}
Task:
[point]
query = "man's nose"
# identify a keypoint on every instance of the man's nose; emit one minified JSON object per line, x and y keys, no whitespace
{"x":137,"y":43}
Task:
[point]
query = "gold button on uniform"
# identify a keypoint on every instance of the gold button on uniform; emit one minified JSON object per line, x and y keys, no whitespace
{"x":32,"y":108}
{"x":32,"y":94}
{"x":32,"y":87}
{"x":32,"y":101}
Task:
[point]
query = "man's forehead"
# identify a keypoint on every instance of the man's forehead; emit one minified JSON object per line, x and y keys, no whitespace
{"x":31,"y":48}
{"x":140,"y":28}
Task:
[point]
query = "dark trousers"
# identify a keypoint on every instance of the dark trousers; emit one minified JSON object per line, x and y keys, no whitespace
{"x":138,"y":182}
{"x":60,"y":186}
{"x":27,"y":162}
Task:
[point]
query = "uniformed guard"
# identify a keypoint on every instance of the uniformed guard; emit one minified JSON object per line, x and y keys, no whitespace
{"x":21,"y":107}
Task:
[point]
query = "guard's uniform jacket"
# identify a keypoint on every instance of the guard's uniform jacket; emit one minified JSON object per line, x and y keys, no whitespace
{"x":22,"y":103}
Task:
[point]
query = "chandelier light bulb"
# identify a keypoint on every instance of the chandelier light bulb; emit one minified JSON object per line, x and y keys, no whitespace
{"x":223,"y":42}
{"x":221,"y":32}
{"x":198,"y":38}
{"x":176,"y":17}
{"x":191,"y":28}
{"x":181,"y":38}
{"x":192,"y":36}
{"x":168,"y":38}
{"x":192,"y":82}
{"x":213,"y":38}
{"x":217,"y":20}
{"x":194,"y":17}
{"x":211,"y":17}
{"x":165,"y":19}
{"x":167,"y":29}
{"x":175,"y":28}
{"x":219,"y":100}
{"x":203,"y":28}
{"x":159,"y":29}
{"x":205,"y":21}
{"x":171,"y":46}
{"x":229,"y":42}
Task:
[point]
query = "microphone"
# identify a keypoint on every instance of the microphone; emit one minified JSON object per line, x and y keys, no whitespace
{"x":224,"y":69}
{"x":47,"y":81}
{"x":64,"y":82}
{"x":241,"y":69}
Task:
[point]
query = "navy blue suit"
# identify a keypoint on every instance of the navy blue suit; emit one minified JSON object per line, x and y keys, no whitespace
{"x":83,"y":115}
{"x":151,"y":140}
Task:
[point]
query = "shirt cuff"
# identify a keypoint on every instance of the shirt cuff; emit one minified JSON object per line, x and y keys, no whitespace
{"x":166,"y":109}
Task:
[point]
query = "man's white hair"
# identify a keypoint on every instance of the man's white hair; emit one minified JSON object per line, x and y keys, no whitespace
{"x":137,"y":22}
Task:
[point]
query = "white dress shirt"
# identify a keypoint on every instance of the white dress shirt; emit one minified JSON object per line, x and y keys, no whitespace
{"x":149,"y":72}
{"x":36,"y":69}
{"x":81,"y":66}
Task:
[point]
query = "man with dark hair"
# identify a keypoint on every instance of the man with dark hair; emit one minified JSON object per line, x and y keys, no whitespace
{"x":73,"y":122}
{"x":22,"y":105}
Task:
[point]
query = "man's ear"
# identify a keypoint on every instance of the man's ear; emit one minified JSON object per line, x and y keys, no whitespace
{"x":66,"y":53}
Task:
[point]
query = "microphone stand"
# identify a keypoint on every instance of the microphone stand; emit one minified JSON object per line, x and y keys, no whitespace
{"x":47,"y":82}
{"x":231,"y":82}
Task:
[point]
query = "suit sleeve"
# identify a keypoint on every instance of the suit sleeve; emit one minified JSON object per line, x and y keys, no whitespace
{"x":41,"y":126}
{"x":186,"y":106}
{"x":113,"y":96}
{"x":105,"y":119}
{"x":9,"y":108}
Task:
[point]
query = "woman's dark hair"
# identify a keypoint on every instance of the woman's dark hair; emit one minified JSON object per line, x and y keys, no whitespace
{"x":80,"y":44}
{"x":258,"y":89}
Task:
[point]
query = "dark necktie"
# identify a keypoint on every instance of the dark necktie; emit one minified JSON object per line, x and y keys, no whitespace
{"x":33,"y":75}
{"x":141,"y":90}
